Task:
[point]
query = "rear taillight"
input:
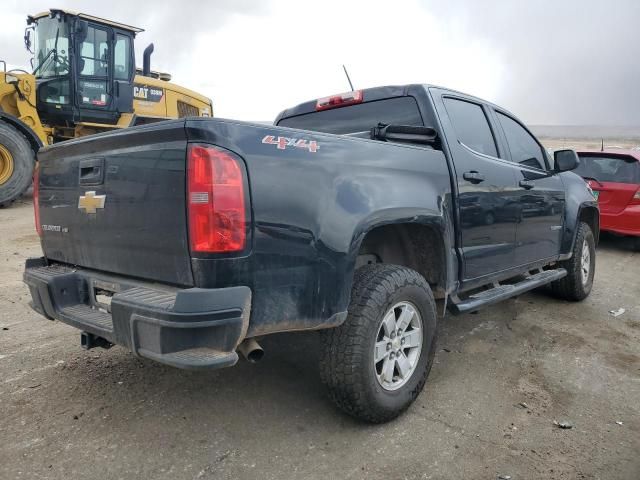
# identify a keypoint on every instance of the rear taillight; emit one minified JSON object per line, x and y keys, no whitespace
{"x":216,"y":199}
{"x":635,"y":200}
{"x":36,"y":199}
{"x":340,"y":100}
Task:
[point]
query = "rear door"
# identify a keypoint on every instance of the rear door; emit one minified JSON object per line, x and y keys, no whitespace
{"x":540,"y":193}
{"x":488,"y":209}
{"x":117,"y":203}
{"x":615,"y":179}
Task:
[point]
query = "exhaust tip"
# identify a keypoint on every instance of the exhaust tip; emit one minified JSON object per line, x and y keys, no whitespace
{"x":251,"y":350}
{"x":255,"y":356}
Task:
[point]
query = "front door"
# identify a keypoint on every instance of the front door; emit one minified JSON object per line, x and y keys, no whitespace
{"x":106,"y":68}
{"x":539,"y":192}
{"x":95,"y":87}
{"x":488,"y":210}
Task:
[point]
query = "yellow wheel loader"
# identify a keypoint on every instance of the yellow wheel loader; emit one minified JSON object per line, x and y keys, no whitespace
{"x":84,"y":80}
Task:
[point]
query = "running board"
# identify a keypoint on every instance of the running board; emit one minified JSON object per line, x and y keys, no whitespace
{"x":502,"y":292}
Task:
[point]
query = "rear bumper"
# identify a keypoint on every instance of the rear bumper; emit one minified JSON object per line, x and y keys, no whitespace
{"x":627,"y":222}
{"x":191,"y":328}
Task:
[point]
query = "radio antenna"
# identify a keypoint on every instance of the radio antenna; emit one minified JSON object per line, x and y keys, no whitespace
{"x":348,"y":79}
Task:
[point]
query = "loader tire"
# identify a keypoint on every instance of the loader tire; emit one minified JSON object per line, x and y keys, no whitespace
{"x":17,"y":160}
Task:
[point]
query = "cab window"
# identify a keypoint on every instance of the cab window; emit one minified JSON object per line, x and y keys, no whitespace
{"x":524,"y":149}
{"x":94,"y":53}
{"x":471,"y":126}
{"x":122,"y":55}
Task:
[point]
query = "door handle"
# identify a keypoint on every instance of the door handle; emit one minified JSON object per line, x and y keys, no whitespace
{"x":527,"y":184}
{"x":473,"y":176}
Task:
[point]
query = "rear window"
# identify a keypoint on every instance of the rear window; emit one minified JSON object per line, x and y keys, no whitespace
{"x":358,"y":118}
{"x":609,"y":168}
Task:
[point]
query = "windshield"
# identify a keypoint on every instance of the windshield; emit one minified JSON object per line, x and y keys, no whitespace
{"x":52,"y":48}
{"x":618,"y":169}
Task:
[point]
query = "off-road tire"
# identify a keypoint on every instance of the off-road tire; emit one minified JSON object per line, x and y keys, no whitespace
{"x":346,"y":365}
{"x":23,"y":162}
{"x":571,"y":287}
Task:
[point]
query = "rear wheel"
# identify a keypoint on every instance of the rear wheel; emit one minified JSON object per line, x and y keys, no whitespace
{"x":580,"y":268}
{"x":376,"y":363}
{"x":17,"y":160}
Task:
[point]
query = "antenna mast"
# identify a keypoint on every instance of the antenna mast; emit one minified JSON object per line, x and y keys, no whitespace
{"x":348,"y":79}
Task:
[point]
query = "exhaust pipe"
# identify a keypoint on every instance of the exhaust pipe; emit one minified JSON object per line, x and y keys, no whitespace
{"x":251,"y":350}
{"x":146,"y":60}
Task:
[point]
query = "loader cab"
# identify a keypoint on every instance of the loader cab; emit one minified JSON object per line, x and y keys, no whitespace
{"x":84,"y":67}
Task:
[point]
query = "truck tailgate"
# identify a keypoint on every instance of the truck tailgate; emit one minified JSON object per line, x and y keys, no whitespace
{"x":117,"y":203}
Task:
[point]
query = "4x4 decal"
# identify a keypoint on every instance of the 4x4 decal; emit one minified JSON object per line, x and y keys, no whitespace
{"x":282,"y":143}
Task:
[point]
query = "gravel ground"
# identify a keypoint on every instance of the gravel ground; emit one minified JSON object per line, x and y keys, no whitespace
{"x":500,"y":380}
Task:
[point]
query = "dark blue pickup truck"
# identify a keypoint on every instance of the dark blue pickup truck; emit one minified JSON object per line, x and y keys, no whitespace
{"x":186,"y":241}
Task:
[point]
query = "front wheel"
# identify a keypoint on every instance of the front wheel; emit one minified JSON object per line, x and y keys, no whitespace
{"x":17,"y":160}
{"x":376,"y":363}
{"x":580,"y":268}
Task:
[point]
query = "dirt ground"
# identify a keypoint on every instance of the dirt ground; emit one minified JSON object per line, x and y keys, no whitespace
{"x":500,"y":380}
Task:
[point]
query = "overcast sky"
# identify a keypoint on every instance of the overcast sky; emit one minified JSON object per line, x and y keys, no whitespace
{"x":572,"y":62}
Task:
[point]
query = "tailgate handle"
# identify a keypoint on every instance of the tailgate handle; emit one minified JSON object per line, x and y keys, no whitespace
{"x":92,"y":171}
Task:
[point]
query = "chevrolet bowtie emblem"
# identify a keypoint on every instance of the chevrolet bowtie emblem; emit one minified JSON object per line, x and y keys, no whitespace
{"x":90,"y":201}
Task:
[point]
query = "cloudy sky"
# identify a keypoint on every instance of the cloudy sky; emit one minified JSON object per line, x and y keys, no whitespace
{"x":561,"y":62}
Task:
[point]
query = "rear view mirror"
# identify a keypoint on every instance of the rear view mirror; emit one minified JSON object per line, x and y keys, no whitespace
{"x":404,"y":133}
{"x":27,"y":39}
{"x":565,"y":160}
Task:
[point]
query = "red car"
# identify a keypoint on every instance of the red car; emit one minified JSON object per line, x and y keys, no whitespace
{"x":614,"y":176}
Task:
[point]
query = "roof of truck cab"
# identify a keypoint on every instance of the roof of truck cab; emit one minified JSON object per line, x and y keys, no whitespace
{"x":380,"y":93}
{"x":122,"y":26}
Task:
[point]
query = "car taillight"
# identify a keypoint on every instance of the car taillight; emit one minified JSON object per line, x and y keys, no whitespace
{"x":216,"y":200}
{"x":36,"y":199}
{"x":340,"y":100}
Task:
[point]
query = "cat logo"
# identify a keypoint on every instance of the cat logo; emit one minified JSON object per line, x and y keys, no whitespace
{"x":147,"y":93}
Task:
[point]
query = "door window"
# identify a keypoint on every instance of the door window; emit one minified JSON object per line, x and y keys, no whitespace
{"x":122,"y":55}
{"x":471,"y":126}
{"x":525,"y":150}
{"x":94,"y":63}
{"x":94,"y":53}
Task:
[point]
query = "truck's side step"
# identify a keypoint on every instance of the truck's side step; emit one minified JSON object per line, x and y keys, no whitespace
{"x":502,"y":292}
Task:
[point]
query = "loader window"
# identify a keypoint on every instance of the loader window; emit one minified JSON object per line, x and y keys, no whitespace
{"x":52,"y":51}
{"x":94,"y":53}
{"x":94,"y":63}
{"x":122,"y":55}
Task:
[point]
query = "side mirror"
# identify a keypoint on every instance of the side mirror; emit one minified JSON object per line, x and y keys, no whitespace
{"x":27,"y":39}
{"x":565,"y":160}
{"x":405,"y":133}
{"x":81,"y":28}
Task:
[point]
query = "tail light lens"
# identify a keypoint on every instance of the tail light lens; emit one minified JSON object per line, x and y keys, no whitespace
{"x":340,"y":100}
{"x":36,"y":198}
{"x":216,"y":200}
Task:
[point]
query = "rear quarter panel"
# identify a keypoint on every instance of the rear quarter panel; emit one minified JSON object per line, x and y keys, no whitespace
{"x":310,"y":212}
